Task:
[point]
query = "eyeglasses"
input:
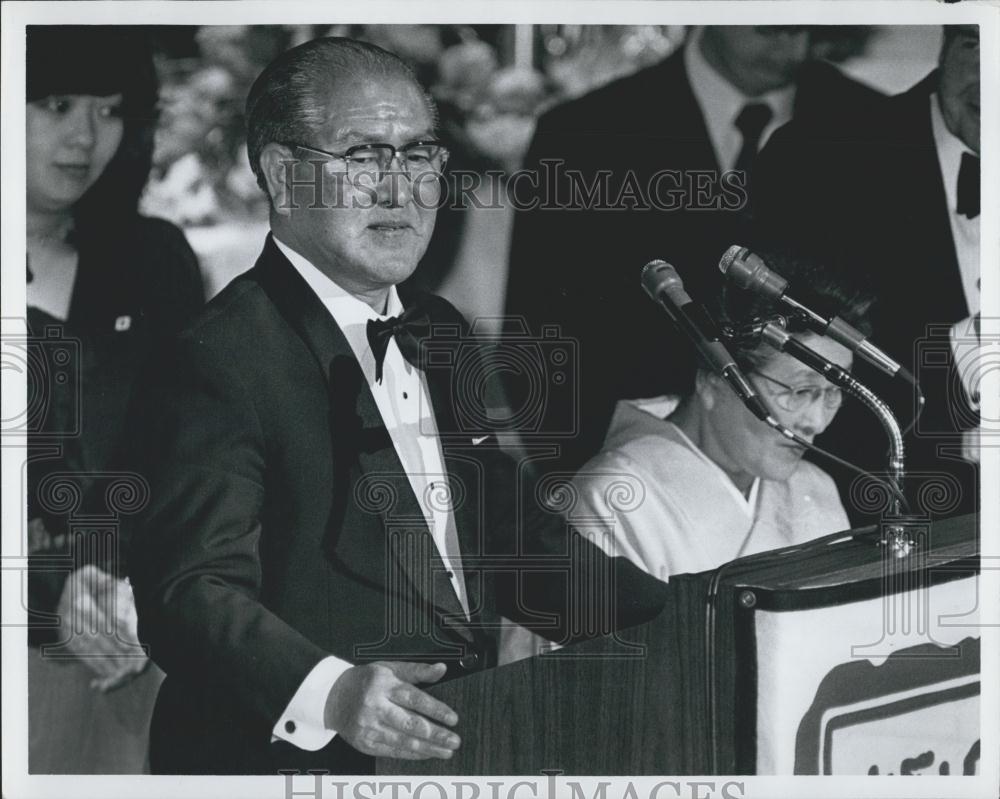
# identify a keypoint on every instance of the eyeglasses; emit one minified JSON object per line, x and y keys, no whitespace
{"x":371,"y":162}
{"x":794,"y":399}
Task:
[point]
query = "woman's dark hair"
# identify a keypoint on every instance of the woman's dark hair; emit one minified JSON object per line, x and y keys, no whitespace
{"x":826,"y":285}
{"x":101,"y":60}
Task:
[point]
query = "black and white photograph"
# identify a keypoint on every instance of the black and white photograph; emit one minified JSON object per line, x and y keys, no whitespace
{"x":567,"y":400}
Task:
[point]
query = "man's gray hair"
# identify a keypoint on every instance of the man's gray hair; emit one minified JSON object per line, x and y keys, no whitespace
{"x":287,"y":102}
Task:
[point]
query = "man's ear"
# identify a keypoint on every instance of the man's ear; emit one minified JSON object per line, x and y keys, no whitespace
{"x":276,"y":164}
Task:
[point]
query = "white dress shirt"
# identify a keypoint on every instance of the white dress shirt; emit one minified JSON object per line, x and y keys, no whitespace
{"x":721,"y":103}
{"x":964,"y":231}
{"x":404,"y":403}
{"x":964,"y":338}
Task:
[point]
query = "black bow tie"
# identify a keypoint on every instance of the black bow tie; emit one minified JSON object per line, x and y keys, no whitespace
{"x":968,"y":186}
{"x":409,"y":328}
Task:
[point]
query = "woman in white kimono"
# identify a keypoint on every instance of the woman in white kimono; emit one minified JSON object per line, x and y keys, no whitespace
{"x":684,"y":484}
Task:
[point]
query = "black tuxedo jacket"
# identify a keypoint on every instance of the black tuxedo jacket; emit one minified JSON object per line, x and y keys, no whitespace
{"x":865,"y":191}
{"x":575,"y":262}
{"x":282,"y":528}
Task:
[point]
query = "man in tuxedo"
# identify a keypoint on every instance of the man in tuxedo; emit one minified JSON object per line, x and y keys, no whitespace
{"x":651,"y":166}
{"x":894,"y":194}
{"x":322,"y":526}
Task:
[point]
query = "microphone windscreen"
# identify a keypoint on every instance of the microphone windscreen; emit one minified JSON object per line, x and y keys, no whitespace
{"x":748,"y":271}
{"x":660,"y":277}
{"x":728,"y":257}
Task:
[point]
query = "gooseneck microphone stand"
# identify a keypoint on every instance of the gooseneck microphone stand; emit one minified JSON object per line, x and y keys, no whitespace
{"x":665,"y":287}
{"x":896,"y":536}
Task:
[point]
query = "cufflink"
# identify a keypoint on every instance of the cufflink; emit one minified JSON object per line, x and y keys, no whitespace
{"x":469,"y":661}
{"x":289,"y":726}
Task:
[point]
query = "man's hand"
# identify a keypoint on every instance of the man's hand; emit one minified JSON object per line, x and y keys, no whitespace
{"x":379,"y":710}
{"x":98,"y":623}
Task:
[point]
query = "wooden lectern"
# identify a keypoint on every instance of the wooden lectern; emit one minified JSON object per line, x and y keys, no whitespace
{"x":833,"y":657}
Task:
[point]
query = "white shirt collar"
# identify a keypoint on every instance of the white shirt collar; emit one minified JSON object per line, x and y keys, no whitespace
{"x":721,"y":103}
{"x":350,"y":313}
{"x":747,"y":503}
{"x":949,"y":151}
{"x":965,"y":232}
{"x":659,"y":407}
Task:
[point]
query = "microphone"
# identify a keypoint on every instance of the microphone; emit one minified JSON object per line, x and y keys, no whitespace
{"x":776,"y":335}
{"x":664,"y":286}
{"x":748,"y":271}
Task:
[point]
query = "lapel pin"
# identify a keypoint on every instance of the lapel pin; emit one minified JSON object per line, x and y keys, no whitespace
{"x":123,"y":323}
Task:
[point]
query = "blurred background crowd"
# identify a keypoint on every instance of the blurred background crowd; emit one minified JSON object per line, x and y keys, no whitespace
{"x":491,"y":83}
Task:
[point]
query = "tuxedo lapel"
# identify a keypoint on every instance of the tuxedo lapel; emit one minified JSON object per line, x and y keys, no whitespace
{"x":384,"y":488}
{"x":300,"y":307}
{"x":934,"y":218}
{"x":660,"y":109}
{"x":377,"y":530}
{"x":683,"y":115}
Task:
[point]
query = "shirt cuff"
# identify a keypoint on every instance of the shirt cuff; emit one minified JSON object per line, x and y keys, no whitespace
{"x":302,"y":722}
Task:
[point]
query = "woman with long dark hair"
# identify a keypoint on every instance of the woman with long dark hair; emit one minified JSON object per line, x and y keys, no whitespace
{"x":105,"y":287}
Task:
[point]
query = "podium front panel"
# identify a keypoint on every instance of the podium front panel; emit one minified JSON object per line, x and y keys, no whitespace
{"x":879,"y":686}
{"x":835,"y":658}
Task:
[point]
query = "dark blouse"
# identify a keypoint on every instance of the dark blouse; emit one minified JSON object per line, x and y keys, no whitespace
{"x":136,"y":287}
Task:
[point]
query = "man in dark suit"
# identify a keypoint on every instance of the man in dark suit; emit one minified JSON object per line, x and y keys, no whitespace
{"x":894,"y":194}
{"x":323,"y":527}
{"x":663,"y":155}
